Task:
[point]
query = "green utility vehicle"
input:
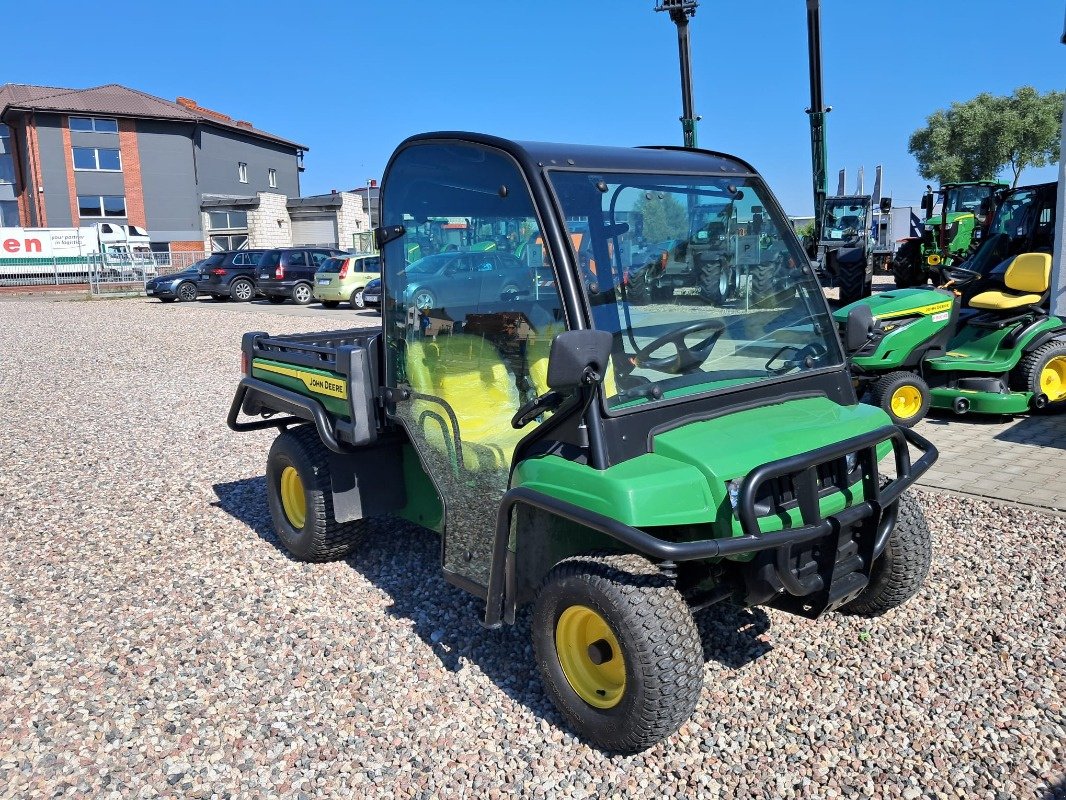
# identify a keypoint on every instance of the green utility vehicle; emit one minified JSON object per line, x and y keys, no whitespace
{"x":845,"y":249}
{"x":949,"y":238}
{"x":616,"y":466}
{"x":1002,"y":354}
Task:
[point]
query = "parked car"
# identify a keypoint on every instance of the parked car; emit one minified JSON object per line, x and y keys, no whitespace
{"x":465,"y":279}
{"x":371,"y":295}
{"x":289,"y":273}
{"x":343,"y":278}
{"x":180,"y":286}
{"x":230,"y":275}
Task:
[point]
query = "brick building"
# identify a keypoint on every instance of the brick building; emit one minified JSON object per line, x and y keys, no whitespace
{"x":71,"y":157}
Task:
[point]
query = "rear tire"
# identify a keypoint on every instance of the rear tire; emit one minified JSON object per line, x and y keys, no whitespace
{"x":903,"y":566}
{"x":629,"y":645}
{"x":1043,"y":371}
{"x":357,"y":299}
{"x":710,"y":276}
{"x":242,"y":291}
{"x":904,"y":396}
{"x":301,"y":294}
{"x":907,"y":270}
{"x":852,"y":283}
{"x":300,"y":497}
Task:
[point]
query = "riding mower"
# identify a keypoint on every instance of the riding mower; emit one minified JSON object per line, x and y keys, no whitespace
{"x":1000,"y":355}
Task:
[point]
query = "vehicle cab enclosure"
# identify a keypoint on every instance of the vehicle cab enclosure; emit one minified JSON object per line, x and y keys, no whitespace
{"x":546,"y":417}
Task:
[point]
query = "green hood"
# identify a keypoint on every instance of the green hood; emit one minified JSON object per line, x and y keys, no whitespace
{"x":683,"y":481}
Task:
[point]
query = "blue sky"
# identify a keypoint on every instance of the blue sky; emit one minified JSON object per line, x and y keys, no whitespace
{"x":352,"y":79}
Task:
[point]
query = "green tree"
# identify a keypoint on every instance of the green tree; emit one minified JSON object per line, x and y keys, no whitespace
{"x":979,"y":138}
{"x":664,"y":217}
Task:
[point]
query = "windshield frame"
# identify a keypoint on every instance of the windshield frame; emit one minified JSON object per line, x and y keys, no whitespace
{"x":836,"y":361}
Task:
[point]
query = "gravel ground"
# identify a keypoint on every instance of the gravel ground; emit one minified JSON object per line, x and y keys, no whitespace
{"x":155,"y":641}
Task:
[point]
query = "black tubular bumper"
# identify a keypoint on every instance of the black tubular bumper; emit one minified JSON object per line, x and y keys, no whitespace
{"x":801,"y":469}
{"x":298,"y":408}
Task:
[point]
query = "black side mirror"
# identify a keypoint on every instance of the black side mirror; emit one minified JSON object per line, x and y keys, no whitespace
{"x":578,"y":356}
{"x":886,"y":205}
{"x":860,"y":325}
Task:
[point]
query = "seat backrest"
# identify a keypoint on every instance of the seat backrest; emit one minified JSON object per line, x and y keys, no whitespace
{"x":1029,"y":272}
{"x":468,"y":373}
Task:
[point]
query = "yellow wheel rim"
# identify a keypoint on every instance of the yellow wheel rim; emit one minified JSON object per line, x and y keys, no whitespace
{"x":1053,"y":379}
{"x":906,"y":401}
{"x":590,"y":657}
{"x":933,"y":260}
{"x":293,"y":499}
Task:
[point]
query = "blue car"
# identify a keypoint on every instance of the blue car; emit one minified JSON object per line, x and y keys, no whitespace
{"x":180,"y":286}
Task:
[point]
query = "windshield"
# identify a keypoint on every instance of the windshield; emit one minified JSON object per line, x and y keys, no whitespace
{"x":701,"y":281}
{"x":966,"y":199}
{"x":843,"y":220}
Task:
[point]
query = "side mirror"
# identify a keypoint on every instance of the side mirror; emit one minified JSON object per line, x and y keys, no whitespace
{"x":886,"y":205}
{"x":576,"y":354}
{"x":860,"y":325}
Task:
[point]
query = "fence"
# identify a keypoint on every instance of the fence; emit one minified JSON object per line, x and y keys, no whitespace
{"x":101,"y":273}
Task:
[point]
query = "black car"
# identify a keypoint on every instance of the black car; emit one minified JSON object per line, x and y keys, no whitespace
{"x":371,"y":295}
{"x":230,"y":275}
{"x":289,"y":273}
{"x":180,"y":286}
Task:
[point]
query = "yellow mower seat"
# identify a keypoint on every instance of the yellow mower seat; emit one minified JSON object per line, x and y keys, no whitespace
{"x":1027,"y":279}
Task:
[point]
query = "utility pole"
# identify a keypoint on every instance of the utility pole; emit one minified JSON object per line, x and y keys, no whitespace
{"x":680,"y":12}
{"x":817,"y":112}
{"x":1058,"y":265}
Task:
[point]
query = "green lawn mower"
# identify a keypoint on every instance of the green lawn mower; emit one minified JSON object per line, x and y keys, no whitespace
{"x":1003,"y":354}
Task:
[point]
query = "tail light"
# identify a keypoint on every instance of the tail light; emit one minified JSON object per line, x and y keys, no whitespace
{"x":218,"y":271}
{"x":279,"y":273}
{"x":344,"y":269}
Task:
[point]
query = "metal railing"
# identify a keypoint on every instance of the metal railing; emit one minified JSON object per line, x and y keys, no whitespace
{"x":95,"y":270}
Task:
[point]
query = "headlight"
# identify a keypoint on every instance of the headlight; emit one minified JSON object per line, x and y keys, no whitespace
{"x":851,"y":461}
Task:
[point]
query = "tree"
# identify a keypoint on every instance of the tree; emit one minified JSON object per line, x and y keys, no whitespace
{"x":664,"y":217}
{"x":977,"y":139}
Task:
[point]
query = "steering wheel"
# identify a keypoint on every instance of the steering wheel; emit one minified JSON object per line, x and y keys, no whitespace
{"x":960,"y":275}
{"x":686,"y":358}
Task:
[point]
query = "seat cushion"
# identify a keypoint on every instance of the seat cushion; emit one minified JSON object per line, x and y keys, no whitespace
{"x":1003,"y":301}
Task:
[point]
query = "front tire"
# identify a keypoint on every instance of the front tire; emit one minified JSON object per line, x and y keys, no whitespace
{"x":711,"y":280}
{"x":423,"y":299}
{"x":904,"y":396}
{"x":618,"y":650}
{"x":300,"y":497}
{"x":901,"y":569}
{"x":852,"y":282}
{"x":186,"y":292}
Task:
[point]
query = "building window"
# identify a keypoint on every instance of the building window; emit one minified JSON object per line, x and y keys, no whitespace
{"x":9,"y":214}
{"x":222,"y":243}
{"x":272,"y":178}
{"x":100,"y":159}
{"x":227,"y":220}
{"x":96,"y":205}
{"x":94,"y":124}
{"x":242,"y":172}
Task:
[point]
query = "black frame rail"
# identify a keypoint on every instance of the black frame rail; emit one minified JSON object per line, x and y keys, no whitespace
{"x":803,"y":470}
